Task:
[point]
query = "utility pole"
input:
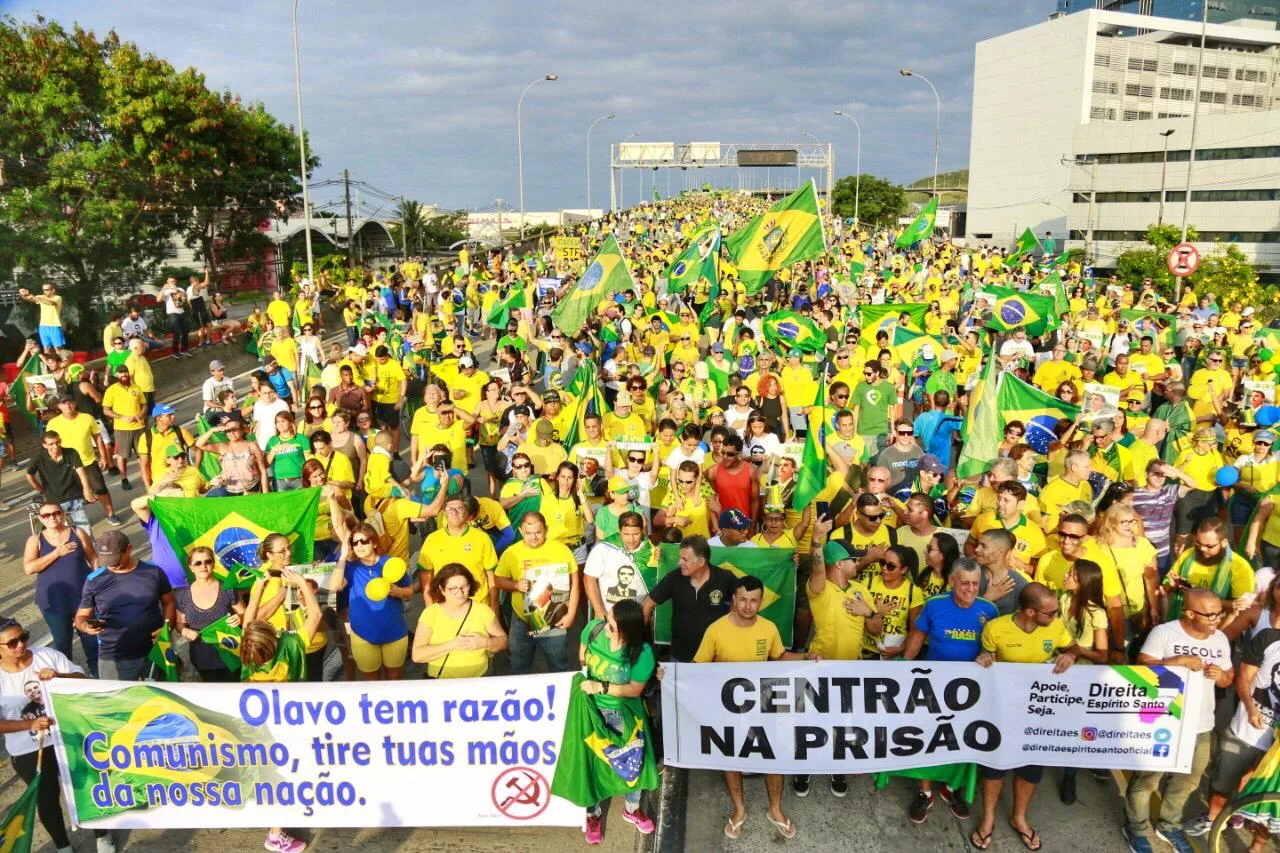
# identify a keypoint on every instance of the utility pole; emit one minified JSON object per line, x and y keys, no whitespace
{"x":1191,"y":146}
{"x":346,"y":195}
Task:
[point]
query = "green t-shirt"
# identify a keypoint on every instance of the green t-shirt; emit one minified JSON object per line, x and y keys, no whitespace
{"x":288,"y":462}
{"x":612,"y":666}
{"x":873,"y":402}
{"x":941,"y":380}
{"x":289,"y":663}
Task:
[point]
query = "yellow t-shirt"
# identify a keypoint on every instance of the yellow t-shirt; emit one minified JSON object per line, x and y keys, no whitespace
{"x":396,"y":516}
{"x":125,"y":402}
{"x":1093,"y":619}
{"x":1200,"y":575}
{"x":905,"y":598}
{"x":140,"y":370}
{"x":1057,"y":494}
{"x":162,"y":442}
{"x":472,"y":549}
{"x":545,"y":459}
{"x":725,"y":642}
{"x":984,"y":501}
{"x":837,"y":634}
{"x":1200,"y":467}
{"x":271,"y":586}
{"x":454,"y":438}
{"x":1028,"y":538}
{"x":278,"y":311}
{"x":458,"y":663}
{"x":1010,"y":644}
{"x":1131,"y":563}
{"x":386,"y":381}
{"x":564,"y":517}
{"x":551,"y":559}
{"x":1053,"y":569}
{"x":338,"y":469}
{"x":471,"y":385}
{"x":77,"y":434}
{"x":51,"y":315}
{"x":285,"y":351}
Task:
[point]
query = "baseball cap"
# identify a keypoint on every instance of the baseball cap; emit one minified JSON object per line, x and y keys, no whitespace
{"x":66,"y":398}
{"x":217,"y":365}
{"x":172,"y":450}
{"x":834,"y":552}
{"x":734,"y":519}
{"x":162,"y":409}
{"x":717,"y":347}
{"x":467,"y":360}
{"x":358,"y":349}
{"x":545,"y":429}
{"x":551,"y":397}
{"x":932,"y":464}
{"x":1265,"y":435}
{"x":1248,"y":312}
{"x":618,"y":483}
{"x":794,"y":353}
{"x":110,"y":546}
{"x":948,"y":355}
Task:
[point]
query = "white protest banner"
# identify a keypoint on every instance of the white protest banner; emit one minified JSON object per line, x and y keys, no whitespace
{"x":871,"y":716}
{"x":299,"y":755}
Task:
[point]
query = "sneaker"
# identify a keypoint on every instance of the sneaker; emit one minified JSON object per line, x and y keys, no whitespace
{"x":919,"y":811}
{"x":1175,"y":838}
{"x":115,"y":521}
{"x":125,"y":484}
{"x":594,"y":831}
{"x":1198,"y":826}
{"x":284,"y":843}
{"x":800,"y":785}
{"x":959,"y":808}
{"x":639,"y":820}
{"x":106,"y":843}
{"x":1137,"y":843}
{"x":839,"y":786}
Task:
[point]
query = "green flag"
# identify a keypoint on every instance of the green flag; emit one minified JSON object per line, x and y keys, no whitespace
{"x":21,"y":392}
{"x":1159,"y":326}
{"x":774,"y":566}
{"x":1016,"y":309}
{"x":907,"y":343}
{"x":251,"y":343}
{"x":513,"y":301}
{"x":137,"y":720}
{"x":606,"y":275}
{"x":981,"y":424}
{"x":960,"y":778}
{"x":234,"y":527}
{"x":921,"y":228}
{"x":596,"y":762}
{"x":789,"y":232}
{"x":1038,"y":411}
{"x":225,"y":639}
{"x":1026,"y":244}
{"x":787,"y":330}
{"x":735,"y":241}
{"x":588,"y":400}
{"x":812,"y":476}
{"x":18,"y":826}
{"x":1053,"y":286}
{"x":163,"y":656}
{"x":873,"y":319}
{"x":698,"y":262}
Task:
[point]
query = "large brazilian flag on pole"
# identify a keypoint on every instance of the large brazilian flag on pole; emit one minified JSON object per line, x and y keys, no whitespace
{"x":789,"y":232}
{"x":606,"y":275}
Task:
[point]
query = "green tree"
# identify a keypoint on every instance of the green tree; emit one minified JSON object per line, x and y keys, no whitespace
{"x":1227,"y":274}
{"x":441,"y":232}
{"x":412,"y":223}
{"x":879,"y":202}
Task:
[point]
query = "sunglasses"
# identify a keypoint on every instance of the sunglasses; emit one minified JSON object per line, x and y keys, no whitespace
{"x":889,"y":565}
{"x":51,"y":514}
{"x":840,"y":396}
{"x":202,"y":562}
{"x":316,"y":406}
{"x":904,"y":432}
{"x":639,"y":460}
{"x":520,"y":466}
{"x":362,"y":541}
{"x":1050,"y":613}
{"x":685,"y":482}
{"x":872,"y":517}
{"x":1072,"y":536}
{"x":22,"y":638}
{"x":731,"y":454}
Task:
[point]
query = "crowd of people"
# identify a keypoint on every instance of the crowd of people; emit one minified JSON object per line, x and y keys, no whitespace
{"x":1118,"y":535}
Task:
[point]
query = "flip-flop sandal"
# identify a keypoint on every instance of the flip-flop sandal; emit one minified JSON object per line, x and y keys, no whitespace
{"x":734,"y":830}
{"x":786,"y":830}
{"x":980,"y":840}
{"x":1030,"y":840}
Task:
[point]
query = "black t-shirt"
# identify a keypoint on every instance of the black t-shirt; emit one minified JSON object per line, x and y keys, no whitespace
{"x":693,"y":611}
{"x":61,"y":483}
{"x":129,"y":602}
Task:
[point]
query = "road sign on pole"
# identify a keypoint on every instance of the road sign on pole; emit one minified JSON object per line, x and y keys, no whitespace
{"x":1184,"y":258}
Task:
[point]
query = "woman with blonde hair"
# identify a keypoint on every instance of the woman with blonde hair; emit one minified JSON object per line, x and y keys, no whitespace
{"x":1120,"y":538}
{"x":268,"y":596}
{"x":686,"y":508}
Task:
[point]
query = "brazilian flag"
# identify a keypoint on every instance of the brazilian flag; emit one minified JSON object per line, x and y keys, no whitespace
{"x":163,"y":655}
{"x":234,"y":527}
{"x":225,"y":639}
{"x":775,"y":568}
{"x":596,"y":762}
{"x":606,"y":275}
{"x":701,"y":260}
{"x":18,"y":825}
{"x":921,"y":228}
{"x":33,"y":367}
{"x":787,"y":330}
{"x":139,"y":720}
{"x":960,"y":778}
{"x":589,"y":400}
{"x":981,"y":423}
{"x":1015,"y":309}
{"x":907,"y":343}
{"x":873,"y":319}
{"x":1027,"y":243}
{"x":513,"y":301}
{"x":789,"y":232}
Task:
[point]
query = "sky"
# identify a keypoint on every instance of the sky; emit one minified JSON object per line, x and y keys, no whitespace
{"x":419,"y":99}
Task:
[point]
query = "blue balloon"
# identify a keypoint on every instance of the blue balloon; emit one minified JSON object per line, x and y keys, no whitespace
{"x":1227,"y":476}
{"x":1267,"y":416}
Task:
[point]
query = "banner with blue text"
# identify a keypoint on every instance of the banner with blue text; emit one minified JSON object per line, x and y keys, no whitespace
{"x":871,"y":716}
{"x":303,"y":755}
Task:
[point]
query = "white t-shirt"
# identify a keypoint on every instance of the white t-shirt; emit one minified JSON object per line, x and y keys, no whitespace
{"x":133,"y":328}
{"x":678,"y":455}
{"x":1014,"y":347}
{"x":172,"y":299}
{"x":1171,"y":640}
{"x":264,"y":419}
{"x":21,"y":697}
{"x":604,"y":563}
{"x":212,"y":388}
{"x":717,"y":542}
{"x":1262,"y":651}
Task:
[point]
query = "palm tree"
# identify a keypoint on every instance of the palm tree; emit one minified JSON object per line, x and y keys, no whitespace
{"x":412,"y":223}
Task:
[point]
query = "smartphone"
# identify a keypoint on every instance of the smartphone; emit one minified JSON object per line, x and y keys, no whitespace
{"x":96,"y":623}
{"x":823,"y":509}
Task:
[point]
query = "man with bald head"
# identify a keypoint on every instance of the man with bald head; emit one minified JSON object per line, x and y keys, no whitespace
{"x":1194,"y":641}
{"x":1034,"y":633}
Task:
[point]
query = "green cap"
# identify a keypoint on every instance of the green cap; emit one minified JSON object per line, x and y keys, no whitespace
{"x":834,"y":552}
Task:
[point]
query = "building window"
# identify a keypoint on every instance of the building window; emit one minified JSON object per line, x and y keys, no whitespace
{"x":1205,"y":236}
{"x":1102,"y":113}
{"x":1102,"y":60}
{"x":1139,"y":90}
{"x":1105,"y":87}
{"x":1186,"y":69}
{"x":1250,"y":75}
{"x":1262,"y":10}
{"x":1219,"y":72}
{"x":1177,"y":94}
{"x":1171,"y":115}
{"x":1137,"y":115}
{"x":1137,"y":64}
{"x":1244,"y":100}
{"x":1213,"y":97}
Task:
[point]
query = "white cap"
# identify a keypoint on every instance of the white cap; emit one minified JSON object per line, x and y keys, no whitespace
{"x":948,"y":355}
{"x":1248,"y":312}
{"x":359,"y":349}
{"x":466,"y":360}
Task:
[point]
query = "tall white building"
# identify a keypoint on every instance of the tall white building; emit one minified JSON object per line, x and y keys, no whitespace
{"x":1069,"y":118}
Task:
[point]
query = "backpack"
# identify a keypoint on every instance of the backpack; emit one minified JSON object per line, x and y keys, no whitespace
{"x":373,"y":517}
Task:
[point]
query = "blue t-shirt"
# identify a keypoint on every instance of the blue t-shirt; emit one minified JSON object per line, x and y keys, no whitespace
{"x":129,"y":603}
{"x":954,"y":633}
{"x":934,"y":428}
{"x":375,"y":622}
{"x":280,"y":379}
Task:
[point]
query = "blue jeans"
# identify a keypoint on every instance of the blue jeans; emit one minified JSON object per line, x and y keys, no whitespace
{"x":521,"y":646}
{"x":60,"y":626}
{"x":76,"y":514}
{"x":631,"y":799}
{"x":123,"y":669}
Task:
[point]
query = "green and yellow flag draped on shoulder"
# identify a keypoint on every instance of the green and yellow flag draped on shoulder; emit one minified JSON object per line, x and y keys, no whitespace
{"x":606,"y":275}
{"x":790,"y":232}
{"x":596,"y":762}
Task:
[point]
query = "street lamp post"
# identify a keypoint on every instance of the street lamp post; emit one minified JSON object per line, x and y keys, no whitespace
{"x":857,"y":181}
{"x":937,"y":124}
{"x":817,"y":140}
{"x":302,"y":148}
{"x":1191,"y":144}
{"x":589,"y":129}
{"x":520,"y":142}
{"x":1164,"y":165}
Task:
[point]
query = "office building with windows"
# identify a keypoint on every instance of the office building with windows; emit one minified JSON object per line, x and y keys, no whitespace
{"x":1081,"y":121}
{"x":1220,"y":11}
